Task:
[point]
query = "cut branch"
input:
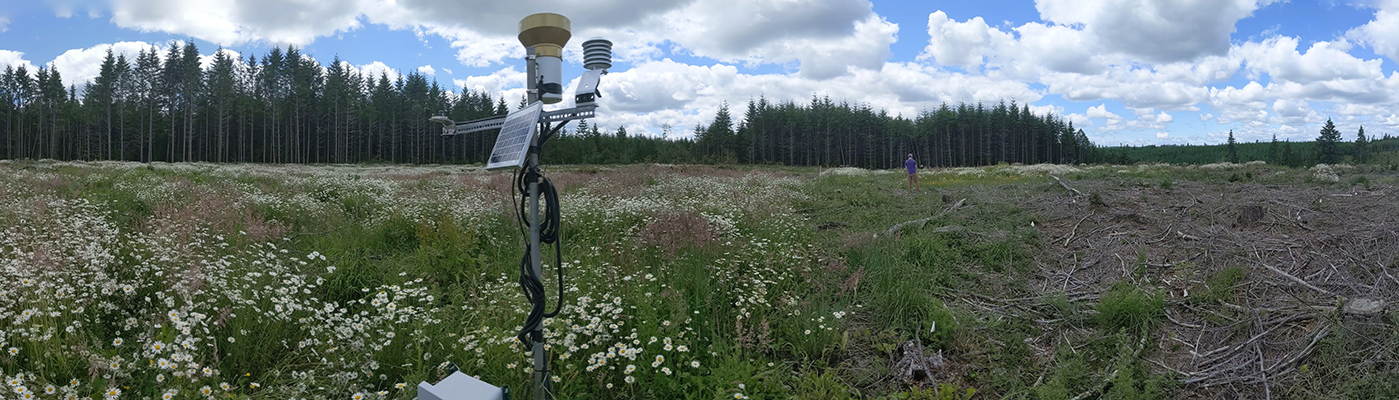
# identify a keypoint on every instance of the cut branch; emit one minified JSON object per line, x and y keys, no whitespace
{"x":1296,"y":279}
{"x":1066,"y":186}
{"x":1070,"y":238}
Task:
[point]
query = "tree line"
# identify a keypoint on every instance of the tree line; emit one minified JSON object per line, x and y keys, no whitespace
{"x":1328,"y":148}
{"x":828,"y":133}
{"x":285,"y":107}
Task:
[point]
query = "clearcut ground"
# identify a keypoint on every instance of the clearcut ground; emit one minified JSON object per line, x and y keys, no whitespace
{"x":1150,"y":281}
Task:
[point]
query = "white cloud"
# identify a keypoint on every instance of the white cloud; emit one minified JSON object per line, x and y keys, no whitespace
{"x":1136,"y":88}
{"x":4,"y":24}
{"x":825,"y":38}
{"x":1240,"y":104}
{"x":494,"y":84}
{"x":1140,"y":27}
{"x":1101,"y":111}
{"x":78,"y":66}
{"x":963,"y":44}
{"x":1132,"y":54}
{"x":477,"y":50}
{"x":1382,"y":33}
{"x":1073,"y":64}
{"x":1114,"y":122}
{"x":375,"y":69}
{"x":1291,"y":108}
{"x":1037,"y":47}
{"x":230,"y":23}
{"x":1164,"y":118}
{"x":1162,"y":135}
{"x":1294,"y":112}
{"x":1079,"y":120}
{"x":207,"y":60}
{"x":1147,"y":120}
{"x":1059,"y":48}
{"x":1361,"y":109}
{"x":15,"y":59}
{"x":662,"y":91}
{"x":1324,"y":61}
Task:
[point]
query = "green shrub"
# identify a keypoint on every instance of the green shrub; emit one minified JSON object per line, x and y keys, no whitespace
{"x":1127,"y":307}
{"x":1360,"y":181}
{"x":821,"y":386}
{"x":1221,"y":285}
{"x":1097,"y":200}
{"x":943,"y":391}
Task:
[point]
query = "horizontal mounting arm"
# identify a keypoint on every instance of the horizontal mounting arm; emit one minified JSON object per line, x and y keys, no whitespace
{"x":484,"y":124}
{"x":569,"y":114}
{"x":476,"y":125}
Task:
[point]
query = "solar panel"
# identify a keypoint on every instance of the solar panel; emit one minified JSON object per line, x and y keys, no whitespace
{"x":512,"y":145}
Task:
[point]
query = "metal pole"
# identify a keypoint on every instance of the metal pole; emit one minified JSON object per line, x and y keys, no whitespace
{"x":531,"y":77}
{"x":541,"y":380}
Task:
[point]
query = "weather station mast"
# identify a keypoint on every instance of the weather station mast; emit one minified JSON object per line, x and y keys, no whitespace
{"x":522,"y":134}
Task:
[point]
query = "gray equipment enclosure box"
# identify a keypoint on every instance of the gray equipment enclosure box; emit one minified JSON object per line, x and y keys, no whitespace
{"x":459,"y":386}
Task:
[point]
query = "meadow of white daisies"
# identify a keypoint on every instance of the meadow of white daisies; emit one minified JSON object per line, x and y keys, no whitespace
{"x":125,"y":280}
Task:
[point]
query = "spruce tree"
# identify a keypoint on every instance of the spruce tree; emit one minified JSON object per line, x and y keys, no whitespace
{"x":1233,"y":148}
{"x":1326,"y":144}
{"x":718,"y":137}
{"x":501,"y":108}
{"x":1273,"y":150}
{"x":1362,"y":147}
{"x":98,"y":96}
{"x":1287,"y":157}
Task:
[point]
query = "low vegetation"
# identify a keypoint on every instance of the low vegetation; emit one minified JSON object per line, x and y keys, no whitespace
{"x":130,"y":280}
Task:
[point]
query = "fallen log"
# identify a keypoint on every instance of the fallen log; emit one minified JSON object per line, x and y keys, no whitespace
{"x":923,"y":221}
{"x":1066,"y":186}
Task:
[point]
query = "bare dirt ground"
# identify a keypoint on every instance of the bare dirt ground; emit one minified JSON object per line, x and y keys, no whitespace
{"x":1316,"y":260}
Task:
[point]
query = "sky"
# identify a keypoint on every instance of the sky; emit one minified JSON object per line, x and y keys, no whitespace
{"x":1133,"y":72}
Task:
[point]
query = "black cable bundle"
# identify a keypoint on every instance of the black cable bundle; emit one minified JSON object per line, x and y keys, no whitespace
{"x":532,"y":284}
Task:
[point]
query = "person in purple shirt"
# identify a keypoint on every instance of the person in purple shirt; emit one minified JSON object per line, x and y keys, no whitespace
{"x":912,"y":167}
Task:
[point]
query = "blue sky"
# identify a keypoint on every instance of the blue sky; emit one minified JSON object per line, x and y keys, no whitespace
{"x":1126,"y":71}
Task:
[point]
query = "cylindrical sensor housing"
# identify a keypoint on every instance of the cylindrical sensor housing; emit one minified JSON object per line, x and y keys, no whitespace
{"x":597,"y":54}
{"x":547,"y":33}
{"x":550,"y":85}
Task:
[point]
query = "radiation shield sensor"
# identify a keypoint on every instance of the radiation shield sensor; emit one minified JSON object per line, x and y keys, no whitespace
{"x":515,"y":138}
{"x":597,"y":58}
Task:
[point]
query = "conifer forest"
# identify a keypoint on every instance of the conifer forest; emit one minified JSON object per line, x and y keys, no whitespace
{"x":286,"y":107}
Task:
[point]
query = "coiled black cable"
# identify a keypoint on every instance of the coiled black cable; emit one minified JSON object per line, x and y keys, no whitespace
{"x":549,"y":226}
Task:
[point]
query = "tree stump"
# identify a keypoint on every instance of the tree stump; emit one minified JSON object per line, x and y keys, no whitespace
{"x":915,"y":368}
{"x":911,"y":367}
{"x":1363,"y":307}
{"x":1249,"y":216}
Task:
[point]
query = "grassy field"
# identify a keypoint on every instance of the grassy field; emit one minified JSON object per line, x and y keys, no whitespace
{"x":127,"y":280}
